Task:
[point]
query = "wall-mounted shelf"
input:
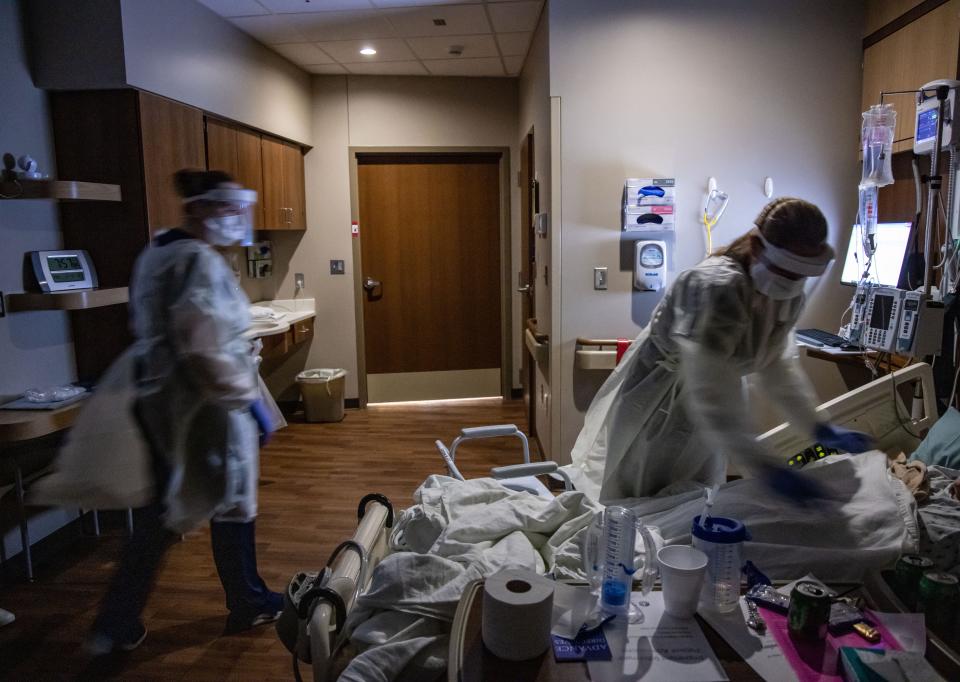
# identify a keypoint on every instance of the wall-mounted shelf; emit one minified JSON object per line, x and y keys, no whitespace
{"x":596,"y":354}
{"x":67,"y":300}
{"x":65,"y":190}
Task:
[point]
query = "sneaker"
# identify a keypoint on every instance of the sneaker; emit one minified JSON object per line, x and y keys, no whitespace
{"x":239,"y":621}
{"x":100,"y":644}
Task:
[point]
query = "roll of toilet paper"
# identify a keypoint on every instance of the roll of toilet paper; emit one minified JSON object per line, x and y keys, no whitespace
{"x":517,"y":613}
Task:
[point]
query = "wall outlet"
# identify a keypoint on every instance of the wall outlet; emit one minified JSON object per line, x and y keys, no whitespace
{"x":337,"y":267}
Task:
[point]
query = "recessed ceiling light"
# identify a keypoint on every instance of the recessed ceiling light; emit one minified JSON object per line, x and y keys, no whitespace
{"x":368,"y":51}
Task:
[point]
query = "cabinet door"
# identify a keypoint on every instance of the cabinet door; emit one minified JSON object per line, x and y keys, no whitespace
{"x":172,"y":138}
{"x":250,"y":170}
{"x":221,"y":147}
{"x":295,"y":197}
{"x":275,"y":215}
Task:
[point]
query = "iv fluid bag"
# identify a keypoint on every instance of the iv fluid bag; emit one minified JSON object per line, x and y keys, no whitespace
{"x":876,"y":143}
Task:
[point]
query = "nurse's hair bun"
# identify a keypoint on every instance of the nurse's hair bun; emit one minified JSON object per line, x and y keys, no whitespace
{"x":789,"y":223}
{"x":190,"y":181}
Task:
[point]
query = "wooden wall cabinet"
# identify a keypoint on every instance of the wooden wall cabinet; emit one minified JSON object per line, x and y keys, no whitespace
{"x":284,"y":196}
{"x":923,"y":50}
{"x":236,"y":150}
{"x":138,"y":141}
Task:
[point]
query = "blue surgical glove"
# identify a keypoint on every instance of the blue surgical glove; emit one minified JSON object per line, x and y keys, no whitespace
{"x":264,"y":422}
{"x":842,"y":439}
{"x":792,"y":485}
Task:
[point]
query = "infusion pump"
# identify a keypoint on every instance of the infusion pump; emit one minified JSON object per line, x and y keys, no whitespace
{"x":898,"y":321}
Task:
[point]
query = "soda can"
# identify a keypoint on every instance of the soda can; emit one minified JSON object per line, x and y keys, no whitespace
{"x":939,"y":598}
{"x":907,"y":574}
{"x":809,"y":613}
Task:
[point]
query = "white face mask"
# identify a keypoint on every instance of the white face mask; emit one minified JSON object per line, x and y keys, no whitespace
{"x":227,"y":230}
{"x":774,"y":286}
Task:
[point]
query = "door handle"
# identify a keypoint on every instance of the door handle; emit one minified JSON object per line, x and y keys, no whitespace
{"x":525,"y":289}
{"x":369,"y":283}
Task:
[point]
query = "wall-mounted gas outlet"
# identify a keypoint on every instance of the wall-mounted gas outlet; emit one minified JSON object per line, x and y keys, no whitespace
{"x":298,"y":281}
{"x":337,"y":267}
{"x":600,"y":279}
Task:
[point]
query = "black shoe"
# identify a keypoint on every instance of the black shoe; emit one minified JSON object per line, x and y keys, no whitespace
{"x":238,"y":621}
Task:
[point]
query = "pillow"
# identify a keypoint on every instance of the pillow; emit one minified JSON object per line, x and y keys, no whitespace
{"x":941,"y":447}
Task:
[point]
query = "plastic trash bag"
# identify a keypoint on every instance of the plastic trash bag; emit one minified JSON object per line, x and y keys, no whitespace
{"x":104,"y":463}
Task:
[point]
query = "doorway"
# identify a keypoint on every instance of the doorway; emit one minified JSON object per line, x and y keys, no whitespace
{"x":430,"y":275}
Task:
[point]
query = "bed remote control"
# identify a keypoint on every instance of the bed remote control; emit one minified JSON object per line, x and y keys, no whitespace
{"x":767,"y":596}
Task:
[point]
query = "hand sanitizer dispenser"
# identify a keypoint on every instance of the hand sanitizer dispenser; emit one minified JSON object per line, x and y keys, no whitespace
{"x":650,"y":265}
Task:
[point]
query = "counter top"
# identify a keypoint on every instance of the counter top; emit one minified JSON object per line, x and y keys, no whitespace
{"x":290,"y":312}
{"x":21,"y":425}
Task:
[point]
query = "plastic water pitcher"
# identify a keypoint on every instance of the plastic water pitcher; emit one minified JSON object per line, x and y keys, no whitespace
{"x":721,"y":539}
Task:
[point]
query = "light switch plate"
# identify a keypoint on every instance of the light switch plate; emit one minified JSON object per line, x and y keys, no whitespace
{"x":337,"y":267}
{"x":600,"y":279}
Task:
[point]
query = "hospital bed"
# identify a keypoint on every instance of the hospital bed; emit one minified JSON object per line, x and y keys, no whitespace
{"x":896,"y":410}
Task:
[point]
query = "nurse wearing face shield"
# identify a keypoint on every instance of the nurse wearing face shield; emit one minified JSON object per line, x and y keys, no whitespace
{"x":199,"y":407}
{"x":673,"y":413}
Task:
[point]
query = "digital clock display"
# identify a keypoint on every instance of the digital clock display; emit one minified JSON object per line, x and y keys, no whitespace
{"x":60,"y":277}
{"x":61,"y":263}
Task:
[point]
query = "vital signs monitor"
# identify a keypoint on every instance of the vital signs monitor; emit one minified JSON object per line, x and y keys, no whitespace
{"x":891,"y":246}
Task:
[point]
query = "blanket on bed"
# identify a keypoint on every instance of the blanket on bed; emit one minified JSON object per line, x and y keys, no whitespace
{"x":458,"y":531}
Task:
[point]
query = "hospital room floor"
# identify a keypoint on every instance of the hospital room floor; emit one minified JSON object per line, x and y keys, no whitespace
{"x":312,"y":477}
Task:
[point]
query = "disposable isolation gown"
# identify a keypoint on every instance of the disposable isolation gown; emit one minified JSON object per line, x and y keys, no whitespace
{"x":196,"y":377}
{"x":673,"y":411}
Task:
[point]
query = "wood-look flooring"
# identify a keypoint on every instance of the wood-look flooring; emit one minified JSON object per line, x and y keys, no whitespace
{"x":312,"y":476}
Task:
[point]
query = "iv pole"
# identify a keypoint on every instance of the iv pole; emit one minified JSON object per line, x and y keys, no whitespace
{"x":934,"y":191}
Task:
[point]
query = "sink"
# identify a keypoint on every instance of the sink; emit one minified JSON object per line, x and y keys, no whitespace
{"x":263,"y":325}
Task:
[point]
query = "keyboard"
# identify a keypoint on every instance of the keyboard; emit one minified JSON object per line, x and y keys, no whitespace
{"x":818,"y":336}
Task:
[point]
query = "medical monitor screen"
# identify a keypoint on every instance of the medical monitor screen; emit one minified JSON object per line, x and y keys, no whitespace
{"x":882,"y":309}
{"x":926,"y":125}
{"x":891,"y":246}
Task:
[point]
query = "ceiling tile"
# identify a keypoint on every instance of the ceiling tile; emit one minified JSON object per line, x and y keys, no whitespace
{"x":303,"y":53}
{"x":508,"y":17}
{"x":271,"y":28}
{"x":413,"y":3}
{"x":325,"y":69}
{"x":408,"y":68}
{"x":439,"y":47}
{"x":235,"y":8}
{"x":486,"y":66}
{"x":300,"y":6}
{"x":513,"y":43}
{"x":359,"y":25}
{"x":348,"y":51}
{"x":514,"y":64}
{"x":412,"y":22}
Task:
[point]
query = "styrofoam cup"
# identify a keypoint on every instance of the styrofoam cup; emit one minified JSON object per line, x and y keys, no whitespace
{"x":682,"y":569}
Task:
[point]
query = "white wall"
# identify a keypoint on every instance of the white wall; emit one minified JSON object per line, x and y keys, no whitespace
{"x":373,"y":111}
{"x":35,"y":348}
{"x":184,"y":51}
{"x":738,"y":90}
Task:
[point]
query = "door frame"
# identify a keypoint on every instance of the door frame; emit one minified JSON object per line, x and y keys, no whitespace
{"x":506,"y":253}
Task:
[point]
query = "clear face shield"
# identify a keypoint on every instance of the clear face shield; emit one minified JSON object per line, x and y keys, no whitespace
{"x":230,"y":222}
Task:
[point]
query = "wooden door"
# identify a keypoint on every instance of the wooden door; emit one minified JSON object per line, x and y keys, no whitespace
{"x":293,"y":186}
{"x":172,"y":138}
{"x":430,"y":237}
{"x":250,"y":169}
{"x":274,"y":208}
{"x":527,"y":279}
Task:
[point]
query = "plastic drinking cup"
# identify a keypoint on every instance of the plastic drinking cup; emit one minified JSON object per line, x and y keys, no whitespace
{"x":682,"y":569}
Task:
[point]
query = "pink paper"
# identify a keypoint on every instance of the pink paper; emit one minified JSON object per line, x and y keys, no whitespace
{"x":818,"y":661}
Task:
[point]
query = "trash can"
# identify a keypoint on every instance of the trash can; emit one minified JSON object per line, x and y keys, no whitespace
{"x":322,"y":391}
